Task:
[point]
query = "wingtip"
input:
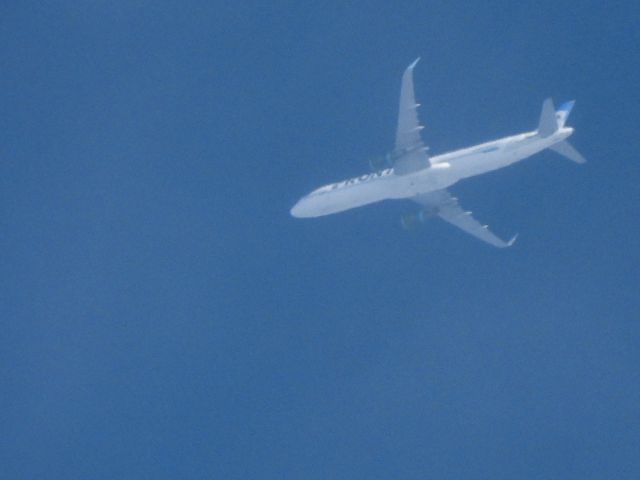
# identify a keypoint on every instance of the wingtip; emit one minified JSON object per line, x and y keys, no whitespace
{"x":415,"y":62}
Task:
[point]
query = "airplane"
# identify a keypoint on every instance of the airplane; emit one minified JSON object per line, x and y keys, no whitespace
{"x":412,"y":173}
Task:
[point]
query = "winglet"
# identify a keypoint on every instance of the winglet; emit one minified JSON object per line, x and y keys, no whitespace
{"x":415,"y":62}
{"x":513,"y":240}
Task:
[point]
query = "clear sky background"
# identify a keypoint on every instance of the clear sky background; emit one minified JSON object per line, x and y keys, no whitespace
{"x":164,"y":317}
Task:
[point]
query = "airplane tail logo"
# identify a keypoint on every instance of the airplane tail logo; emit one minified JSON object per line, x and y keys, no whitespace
{"x":552,"y":120}
{"x":563,"y":113}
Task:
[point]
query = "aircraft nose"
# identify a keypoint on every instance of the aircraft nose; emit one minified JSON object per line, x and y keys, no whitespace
{"x":296,"y":210}
{"x":302,"y":208}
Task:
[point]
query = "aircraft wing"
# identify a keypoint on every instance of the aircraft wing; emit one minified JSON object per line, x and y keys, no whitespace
{"x":410,"y":152}
{"x":442,"y":203}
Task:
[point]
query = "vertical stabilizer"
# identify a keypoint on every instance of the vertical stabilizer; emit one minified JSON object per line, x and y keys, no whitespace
{"x":548,"y":123}
{"x":563,"y":112}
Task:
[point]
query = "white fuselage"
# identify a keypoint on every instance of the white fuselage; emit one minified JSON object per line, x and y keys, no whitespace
{"x":445,"y":170}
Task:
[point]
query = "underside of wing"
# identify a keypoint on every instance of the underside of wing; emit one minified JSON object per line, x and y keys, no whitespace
{"x":443,"y":204}
{"x":410,"y":152}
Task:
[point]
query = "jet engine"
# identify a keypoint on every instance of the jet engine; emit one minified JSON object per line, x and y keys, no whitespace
{"x":411,"y":220}
{"x":380,"y":162}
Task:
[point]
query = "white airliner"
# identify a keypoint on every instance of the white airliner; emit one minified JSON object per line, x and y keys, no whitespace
{"x":415,"y":175}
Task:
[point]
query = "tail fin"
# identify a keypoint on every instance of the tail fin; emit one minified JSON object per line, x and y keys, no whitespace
{"x":565,"y":149}
{"x":551,"y":119}
{"x":548,"y":123}
{"x":563,"y":112}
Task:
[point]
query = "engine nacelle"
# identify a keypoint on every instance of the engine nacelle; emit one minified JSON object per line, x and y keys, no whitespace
{"x":410,"y":221}
{"x":380,"y":162}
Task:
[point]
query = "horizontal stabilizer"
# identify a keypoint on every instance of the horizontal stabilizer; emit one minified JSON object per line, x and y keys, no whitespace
{"x":565,"y":149}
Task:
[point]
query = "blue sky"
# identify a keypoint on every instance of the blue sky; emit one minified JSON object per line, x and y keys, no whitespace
{"x":164,"y":317}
